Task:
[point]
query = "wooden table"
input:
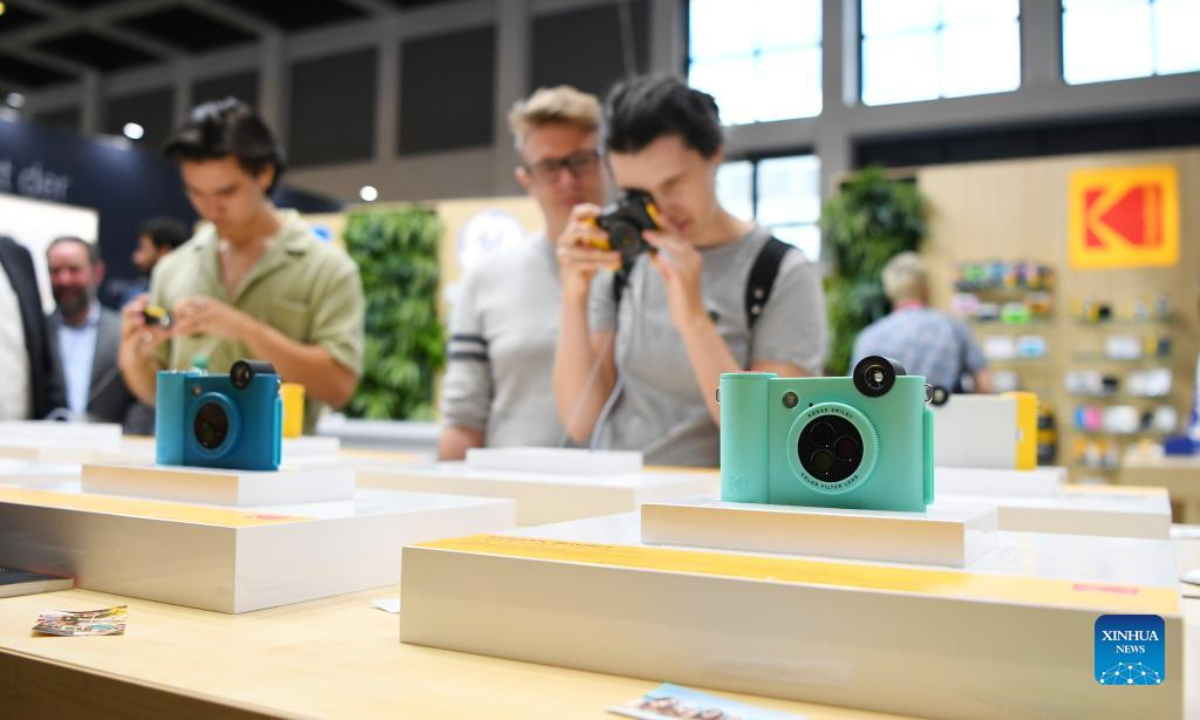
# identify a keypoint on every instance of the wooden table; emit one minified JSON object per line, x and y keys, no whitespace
{"x":1180,"y":475}
{"x":338,"y":657}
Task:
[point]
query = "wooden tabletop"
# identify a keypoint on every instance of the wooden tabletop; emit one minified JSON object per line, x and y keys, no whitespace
{"x":339,"y":657}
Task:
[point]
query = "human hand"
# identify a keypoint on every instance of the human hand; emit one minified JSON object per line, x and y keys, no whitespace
{"x":139,"y":341}
{"x":681,"y":267}
{"x":200,"y":315}
{"x":583,"y":251}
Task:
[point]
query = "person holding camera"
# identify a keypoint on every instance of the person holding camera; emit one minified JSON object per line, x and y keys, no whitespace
{"x":504,"y":328}
{"x":254,"y":282}
{"x":646,"y":335}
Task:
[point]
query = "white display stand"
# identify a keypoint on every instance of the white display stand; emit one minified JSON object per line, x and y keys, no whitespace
{"x":311,"y":449}
{"x":1009,"y":636}
{"x":1080,"y":510}
{"x":555,"y":461}
{"x":548,"y":497}
{"x":76,"y":435}
{"x":229,"y":559}
{"x":1042,"y":481}
{"x":215,"y":486}
{"x":28,"y":473}
{"x":952,"y":536}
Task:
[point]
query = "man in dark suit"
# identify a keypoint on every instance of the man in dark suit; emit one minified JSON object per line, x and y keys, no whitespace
{"x":24,"y":345}
{"x":86,"y":337}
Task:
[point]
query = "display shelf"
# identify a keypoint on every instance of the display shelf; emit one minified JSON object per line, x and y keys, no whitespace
{"x":1100,"y":357}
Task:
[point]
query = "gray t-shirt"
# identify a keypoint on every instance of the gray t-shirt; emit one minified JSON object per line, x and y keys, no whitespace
{"x":660,"y":410}
{"x":503,"y":334}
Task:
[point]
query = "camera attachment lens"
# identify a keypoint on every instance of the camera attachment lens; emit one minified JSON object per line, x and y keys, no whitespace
{"x":823,"y":461}
{"x":211,"y":426}
{"x":822,"y":433}
{"x":243,"y":371}
{"x":875,"y":375}
{"x":830,"y":448}
{"x":936,"y":395}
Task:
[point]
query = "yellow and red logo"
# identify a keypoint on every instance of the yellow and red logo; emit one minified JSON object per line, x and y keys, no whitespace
{"x":1124,"y":217}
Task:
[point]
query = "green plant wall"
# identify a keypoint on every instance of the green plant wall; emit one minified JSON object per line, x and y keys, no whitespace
{"x":397,"y":254}
{"x":869,"y":221}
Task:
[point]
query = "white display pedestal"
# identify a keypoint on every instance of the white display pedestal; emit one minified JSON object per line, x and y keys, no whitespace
{"x":215,"y":486}
{"x":1039,"y":482}
{"x":76,"y":435}
{"x":1009,"y":636}
{"x":548,"y":497}
{"x":555,"y":461}
{"x":952,"y":536}
{"x":311,"y":449}
{"x":1080,"y":510}
{"x":229,"y":559}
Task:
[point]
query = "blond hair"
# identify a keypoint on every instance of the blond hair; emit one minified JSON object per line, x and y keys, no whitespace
{"x":561,"y":105}
{"x":904,"y":278}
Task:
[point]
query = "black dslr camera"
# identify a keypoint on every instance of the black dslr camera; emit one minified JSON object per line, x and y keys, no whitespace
{"x":624,"y":222}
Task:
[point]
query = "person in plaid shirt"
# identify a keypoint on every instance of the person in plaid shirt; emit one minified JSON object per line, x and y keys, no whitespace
{"x":925,"y":341}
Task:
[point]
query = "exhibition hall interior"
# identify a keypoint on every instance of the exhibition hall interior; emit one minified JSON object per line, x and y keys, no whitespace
{"x":754,"y":359}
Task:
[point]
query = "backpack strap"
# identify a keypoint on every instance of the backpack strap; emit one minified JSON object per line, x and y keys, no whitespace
{"x":762,"y":278}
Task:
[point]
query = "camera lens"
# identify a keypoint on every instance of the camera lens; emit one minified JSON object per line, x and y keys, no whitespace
{"x":830,"y":448}
{"x":241,"y":374}
{"x":822,"y":434}
{"x":822,"y":461}
{"x":847,"y":448}
{"x":211,"y":426}
{"x":874,"y":376}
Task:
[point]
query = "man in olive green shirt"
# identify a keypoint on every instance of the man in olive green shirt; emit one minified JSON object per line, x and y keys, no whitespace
{"x":254,"y":282}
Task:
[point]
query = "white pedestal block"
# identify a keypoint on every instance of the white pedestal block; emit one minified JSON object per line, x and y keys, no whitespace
{"x":213,"y":486}
{"x":555,"y":461}
{"x":1009,"y":636}
{"x":1080,"y":510}
{"x":548,"y":497}
{"x":77,"y":435}
{"x":311,"y":449}
{"x":28,"y":473}
{"x":951,"y":536}
{"x":229,"y":559}
{"x":1040,"y":482}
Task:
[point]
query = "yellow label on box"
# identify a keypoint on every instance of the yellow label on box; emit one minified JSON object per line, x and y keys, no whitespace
{"x":1105,"y":597}
{"x":147,"y":509}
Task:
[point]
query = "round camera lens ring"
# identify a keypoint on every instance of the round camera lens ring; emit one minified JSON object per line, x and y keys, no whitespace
{"x":211,"y":426}
{"x":847,"y":475}
{"x":822,"y":433}
{"x":817,"y":451}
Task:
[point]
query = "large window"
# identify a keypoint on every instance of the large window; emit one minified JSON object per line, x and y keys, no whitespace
{"x":780,"y":193}
{"x":761,"y":59}
{"x":928,"y":49}
{"x":1118,"y":39}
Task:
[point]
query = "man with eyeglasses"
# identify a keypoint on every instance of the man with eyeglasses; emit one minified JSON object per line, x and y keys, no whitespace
{"x":504,"y":329}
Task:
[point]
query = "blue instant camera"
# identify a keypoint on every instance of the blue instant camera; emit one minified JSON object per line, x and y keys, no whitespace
{"x":862,"y":442}
{"x":232,"y":421}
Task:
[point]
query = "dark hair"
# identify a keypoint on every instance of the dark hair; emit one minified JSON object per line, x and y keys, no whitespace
{"x":227,"y":127}
{"x":93,"y":249}
{"x":640,"y":110}
{"x":165,"y":233}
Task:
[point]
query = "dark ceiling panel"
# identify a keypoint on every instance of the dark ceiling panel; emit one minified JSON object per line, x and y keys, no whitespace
{"x":94,"y":50}
{"x":86,"y":4}
{"x":584,"y":47}
{"x":243,"y":86}
{"x":432,"y":119}
{"x":187,"y":29}
{"x":16,"y":17}
{"x":331,"y":111}
{"x":152,"y":110}
{"x":27,"y":74}
{"x":291,"y":15}
{"x":410,"y":4}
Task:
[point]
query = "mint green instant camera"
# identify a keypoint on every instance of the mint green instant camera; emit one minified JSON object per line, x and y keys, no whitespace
{"x":862,"y":442}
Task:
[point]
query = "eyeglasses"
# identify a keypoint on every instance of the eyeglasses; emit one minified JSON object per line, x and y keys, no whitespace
{"x":547,"y":171}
